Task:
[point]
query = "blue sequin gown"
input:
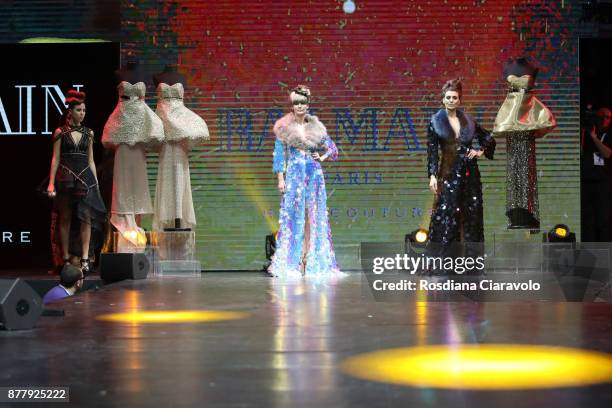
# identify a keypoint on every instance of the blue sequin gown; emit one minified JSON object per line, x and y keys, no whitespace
{"x":303,"y":214}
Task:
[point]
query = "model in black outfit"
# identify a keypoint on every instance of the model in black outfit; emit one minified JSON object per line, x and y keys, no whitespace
{"x":72,"y":180}
{"x":454,"y":176}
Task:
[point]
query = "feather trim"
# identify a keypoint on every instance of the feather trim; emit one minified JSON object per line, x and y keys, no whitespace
{"x":443,"y":128}
{"x":286,"y":130}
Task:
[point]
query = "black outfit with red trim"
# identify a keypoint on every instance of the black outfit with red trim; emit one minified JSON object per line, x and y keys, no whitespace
{"x":75,"y":180}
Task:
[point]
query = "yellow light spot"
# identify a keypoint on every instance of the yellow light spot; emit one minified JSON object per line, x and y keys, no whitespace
{"x":421,"y":236}
{"x":482,"y":367}
{"x":561,"y":232}
{"x":136,"y":238}
{"x":176,"y":316}
{"x":131,"y":235}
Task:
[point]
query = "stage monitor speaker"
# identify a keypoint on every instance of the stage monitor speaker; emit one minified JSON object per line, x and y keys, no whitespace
{"x":115,"y":267}
{"x":20,"y":305}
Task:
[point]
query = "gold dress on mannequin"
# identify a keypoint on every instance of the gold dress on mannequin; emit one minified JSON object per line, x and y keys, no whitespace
{"x":522,"y":119}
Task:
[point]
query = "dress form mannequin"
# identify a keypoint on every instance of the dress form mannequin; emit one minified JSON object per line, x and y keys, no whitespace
{"x":183,"y":129}
{"x":170,"y":76}
{"x":130,"y":130}
{"x":521,"y":119}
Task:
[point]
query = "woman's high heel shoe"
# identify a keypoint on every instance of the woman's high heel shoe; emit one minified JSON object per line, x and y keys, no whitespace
{"x":85,"y":266}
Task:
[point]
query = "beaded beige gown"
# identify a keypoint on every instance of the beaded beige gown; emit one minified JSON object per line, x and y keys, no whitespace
{"x":130,"y":129}
{"x":183,"y":130}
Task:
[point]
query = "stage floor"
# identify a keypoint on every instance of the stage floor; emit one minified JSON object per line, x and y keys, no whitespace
{"x":287,"y":349}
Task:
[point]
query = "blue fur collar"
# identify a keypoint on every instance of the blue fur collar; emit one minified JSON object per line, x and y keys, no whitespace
{"x":443,"y":128}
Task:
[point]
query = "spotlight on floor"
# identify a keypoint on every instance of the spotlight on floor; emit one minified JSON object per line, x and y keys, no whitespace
{"x":172,"y":316}
{"x":559,"y":233}
{"x":560,"y":250}
{"x":482,"y":367}
{"x":417,"y":239}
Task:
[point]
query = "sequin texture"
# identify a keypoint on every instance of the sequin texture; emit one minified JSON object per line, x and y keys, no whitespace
{"x":458,"y":206}
{"x":522,"y":207}
{"x":521,"y":119}
{"x":304,"y":230}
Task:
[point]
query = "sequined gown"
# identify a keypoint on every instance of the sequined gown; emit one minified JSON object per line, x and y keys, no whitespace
{"x":521,"y":119}
{"x":458,"y":208}
{"x":304,"y":229}
{"x":75,"y":181}
{"x":130,"y":129}
{"x":183,"y":129}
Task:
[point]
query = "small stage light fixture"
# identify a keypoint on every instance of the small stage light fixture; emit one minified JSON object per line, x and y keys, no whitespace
{"x":559,"y":233}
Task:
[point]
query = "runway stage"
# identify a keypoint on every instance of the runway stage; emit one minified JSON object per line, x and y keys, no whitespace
{"x":282,"y":345}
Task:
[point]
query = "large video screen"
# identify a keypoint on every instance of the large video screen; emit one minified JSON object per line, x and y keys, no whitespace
{"x":375,"y":76}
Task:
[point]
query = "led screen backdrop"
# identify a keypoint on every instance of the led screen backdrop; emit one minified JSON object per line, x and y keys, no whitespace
{"x":375,"y":77}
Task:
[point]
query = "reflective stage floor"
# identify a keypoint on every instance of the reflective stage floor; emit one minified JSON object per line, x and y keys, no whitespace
{"x":286,"y":345}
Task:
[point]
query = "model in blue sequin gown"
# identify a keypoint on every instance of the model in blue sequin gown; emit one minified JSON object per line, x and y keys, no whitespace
{"x":304,"y":242}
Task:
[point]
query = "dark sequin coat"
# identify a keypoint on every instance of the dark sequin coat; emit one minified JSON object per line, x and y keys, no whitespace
{"x":458,"y":207}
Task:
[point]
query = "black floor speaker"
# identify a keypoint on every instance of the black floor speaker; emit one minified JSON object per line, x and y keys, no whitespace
{"x":20,"y":305}
{"x":116,"y":267}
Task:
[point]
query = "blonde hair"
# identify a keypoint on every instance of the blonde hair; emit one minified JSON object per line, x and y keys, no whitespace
{"x":300,"y":92}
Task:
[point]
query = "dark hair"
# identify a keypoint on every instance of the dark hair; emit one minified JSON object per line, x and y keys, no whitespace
{"x":453,"y":85}
{"x":70,"y":275}
{"x":73,"y":98}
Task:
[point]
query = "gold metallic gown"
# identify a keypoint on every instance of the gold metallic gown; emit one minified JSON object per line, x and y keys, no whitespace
{"x":521,"y":119}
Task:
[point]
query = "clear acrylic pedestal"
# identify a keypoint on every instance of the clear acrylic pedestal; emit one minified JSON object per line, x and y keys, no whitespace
{"x":177,"y":253}
{"x":170,"y":253}
{"x":516,"y":250}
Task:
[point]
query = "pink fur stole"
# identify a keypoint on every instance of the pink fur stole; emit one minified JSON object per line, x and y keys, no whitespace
{"x":286,"y":131}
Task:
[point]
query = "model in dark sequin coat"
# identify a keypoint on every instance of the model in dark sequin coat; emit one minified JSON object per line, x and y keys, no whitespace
{"x":458,"y":206}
